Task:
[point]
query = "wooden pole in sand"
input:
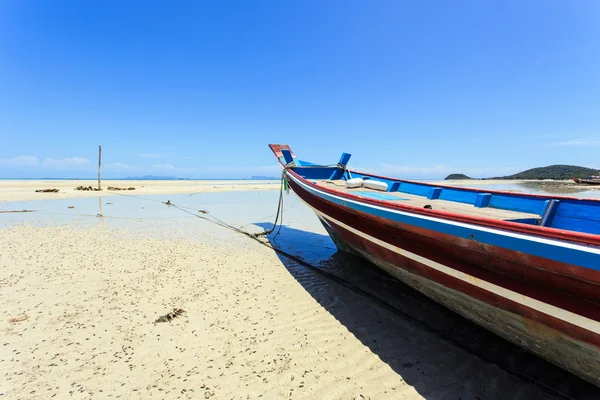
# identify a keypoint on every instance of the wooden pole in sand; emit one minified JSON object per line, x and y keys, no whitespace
{"x":99,"y":165}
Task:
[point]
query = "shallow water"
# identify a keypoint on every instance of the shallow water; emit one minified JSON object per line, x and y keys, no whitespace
{"x":253,"y":211}
{"x":548,"y":189}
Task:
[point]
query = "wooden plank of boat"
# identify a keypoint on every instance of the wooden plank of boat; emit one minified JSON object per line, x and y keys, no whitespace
{"x":437,"y":204}
{"x":589,"y":181}
{"x":526,"y":267}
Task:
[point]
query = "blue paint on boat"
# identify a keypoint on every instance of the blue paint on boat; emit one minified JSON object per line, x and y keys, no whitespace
{"x":519,"y":243}
{"x":580,"y":216}
{"x":563,"y":213}
{"x":378,"y":196}
{"x":434,"y":193}
{"x":316,"y":173}
{"x":344,"y":159}
{"x":483,"y":200}
{"x":505,"y":201}
{"x":549,"y":212}
{"x":458,"y":195}
{"x":528,"y":221}
{"x":287,"y":155}
{"x":413,"y":188}
{"x":341,"y":172}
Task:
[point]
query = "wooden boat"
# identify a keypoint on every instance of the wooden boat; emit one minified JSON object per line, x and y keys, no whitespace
{"x":592,"y":180}
{"x":526,"y":267}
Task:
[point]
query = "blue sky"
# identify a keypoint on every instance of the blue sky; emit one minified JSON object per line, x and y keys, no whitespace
{"x":416,"y":89}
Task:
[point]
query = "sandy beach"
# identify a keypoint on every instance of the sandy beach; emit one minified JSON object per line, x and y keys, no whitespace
{"x":79,"y":322}
{"x":24,"y":190}
{"x":81,"y":298}
{"x":19,"y":190}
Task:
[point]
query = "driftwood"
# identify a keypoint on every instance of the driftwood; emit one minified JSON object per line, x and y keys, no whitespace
{"x":168,"y":317}
{"x":46,"y":191}
{"x":87,"y":188}
{"x":19,"y":318}
{"x":16,"y":211}
{"x":118,"y":188}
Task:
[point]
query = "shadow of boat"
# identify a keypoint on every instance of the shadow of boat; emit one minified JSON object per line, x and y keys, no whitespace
{"x":386,"y":316}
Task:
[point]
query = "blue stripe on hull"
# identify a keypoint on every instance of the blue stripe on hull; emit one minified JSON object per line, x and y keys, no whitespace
{"x":588,"y":259}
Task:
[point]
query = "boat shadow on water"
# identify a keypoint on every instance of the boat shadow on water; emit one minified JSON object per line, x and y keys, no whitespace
{"x":422,"y":341}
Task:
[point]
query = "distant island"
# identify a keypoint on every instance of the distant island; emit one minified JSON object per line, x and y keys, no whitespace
{"x":152,"y":178}
{"x":556,"y":172}
{"x":456,"y":177}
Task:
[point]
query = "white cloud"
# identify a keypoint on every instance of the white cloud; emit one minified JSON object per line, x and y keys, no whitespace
{"x":170,"y":168}
{"x":417,"y":171}
{"x":154,"y":155}
{"x":120,"y":167}
{"x":20,"y":161}
{"x":578,"y":142}
{"x":66,"y":163}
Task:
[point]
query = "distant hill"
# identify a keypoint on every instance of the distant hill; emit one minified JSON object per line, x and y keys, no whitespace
{"x":457,"y":177}
{"x":553,"y":172}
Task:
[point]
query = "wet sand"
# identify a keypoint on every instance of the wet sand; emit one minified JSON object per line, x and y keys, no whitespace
{"x":81,"y":298}
{"x":563,"y":187}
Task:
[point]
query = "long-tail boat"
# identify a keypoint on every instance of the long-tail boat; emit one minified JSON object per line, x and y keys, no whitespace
{"x":592,"y":180}
{"x":524,"y":266}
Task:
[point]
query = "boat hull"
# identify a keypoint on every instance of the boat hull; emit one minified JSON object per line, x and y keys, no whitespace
{"x":477,"y":282}
{"x":593,"y":182}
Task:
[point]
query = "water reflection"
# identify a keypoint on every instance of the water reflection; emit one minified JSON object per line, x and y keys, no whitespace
{"x":561,"y":189}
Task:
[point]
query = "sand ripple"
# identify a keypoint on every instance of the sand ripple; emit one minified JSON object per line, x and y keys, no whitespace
{"x":252,"y":327}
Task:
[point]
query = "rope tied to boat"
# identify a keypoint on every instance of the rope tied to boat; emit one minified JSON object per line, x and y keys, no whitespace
{"x":285,"y":185}
{"x":279,"y":203}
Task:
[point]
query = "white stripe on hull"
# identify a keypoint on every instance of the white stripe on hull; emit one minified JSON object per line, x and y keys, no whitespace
{"x":548,"y":309}
{"x":578,"y":357}
{"x":574,"y":355}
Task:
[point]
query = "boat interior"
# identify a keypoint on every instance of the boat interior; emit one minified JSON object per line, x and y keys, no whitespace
{"x":577,"y":215}
{"x":406,"y":197}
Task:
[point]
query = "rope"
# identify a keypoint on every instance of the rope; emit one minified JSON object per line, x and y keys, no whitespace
{"x":382,"y":303}
{"x":280,"y":207}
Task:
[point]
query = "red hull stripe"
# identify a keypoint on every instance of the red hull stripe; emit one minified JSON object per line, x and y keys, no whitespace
{"x":422,"y":245}
{"x":578,"y":327}
{"x":402,"y":238}
{"x":538,"y":231}
{"x":548,"y":241}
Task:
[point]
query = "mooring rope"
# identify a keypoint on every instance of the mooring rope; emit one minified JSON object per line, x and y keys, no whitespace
{"x":382,"y":303}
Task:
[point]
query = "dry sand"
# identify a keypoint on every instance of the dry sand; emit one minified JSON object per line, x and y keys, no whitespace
{"x":22,"y":190}
{"x":79,"y":305}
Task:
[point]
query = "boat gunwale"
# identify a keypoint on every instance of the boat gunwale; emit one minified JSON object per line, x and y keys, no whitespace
{"x":468,"y":189}
{"x":535,"y":230}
